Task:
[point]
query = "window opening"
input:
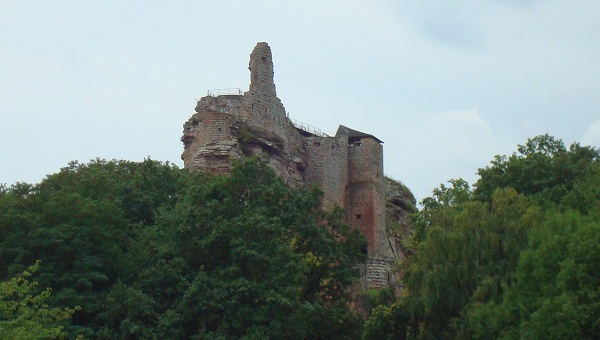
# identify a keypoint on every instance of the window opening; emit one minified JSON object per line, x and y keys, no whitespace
{"x":364,"y":250}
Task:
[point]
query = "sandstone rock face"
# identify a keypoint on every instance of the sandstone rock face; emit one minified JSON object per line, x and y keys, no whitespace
{"x":400,"y":203}
{"x":348,"y":167}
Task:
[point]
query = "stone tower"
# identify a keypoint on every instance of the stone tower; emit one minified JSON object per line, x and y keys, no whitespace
{"x":347,"y":167}
{"x":365,"y":192}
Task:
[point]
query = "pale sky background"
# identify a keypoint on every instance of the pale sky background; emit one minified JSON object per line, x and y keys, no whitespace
{"x":445,"y":84}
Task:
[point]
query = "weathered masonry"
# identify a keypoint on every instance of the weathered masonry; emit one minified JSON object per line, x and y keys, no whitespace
{"x":348,"y":166}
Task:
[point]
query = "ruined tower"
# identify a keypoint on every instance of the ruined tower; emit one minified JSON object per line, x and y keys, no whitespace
{"x":348,"y":167}
{"x":262,"y":109}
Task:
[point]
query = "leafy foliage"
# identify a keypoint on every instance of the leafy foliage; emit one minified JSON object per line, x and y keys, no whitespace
{"x":80,"y":222}
{"x":148,"y":250}
{"x":240,"y":259}
{"x":543,"y":168}
{"x":555,"y":290}
{"x":27,"y":316}
{"x":515,"y":258}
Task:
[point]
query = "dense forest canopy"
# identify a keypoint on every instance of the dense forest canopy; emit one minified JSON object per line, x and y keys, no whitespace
{"x":147,"y":250}
{"x":518,"y":256}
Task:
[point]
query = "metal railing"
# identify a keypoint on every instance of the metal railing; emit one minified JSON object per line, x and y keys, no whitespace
{"x":224,"y":92}
{"x":308,"y":128}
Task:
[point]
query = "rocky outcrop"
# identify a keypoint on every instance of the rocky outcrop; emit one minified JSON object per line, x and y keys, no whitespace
{"x":288,"y":164}
{"x":400,"y":203}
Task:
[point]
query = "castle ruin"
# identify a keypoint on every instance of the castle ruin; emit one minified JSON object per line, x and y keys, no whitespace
{"x":348,"y":167}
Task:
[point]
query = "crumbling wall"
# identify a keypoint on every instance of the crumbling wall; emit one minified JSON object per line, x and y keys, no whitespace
{"x":209,"y":136}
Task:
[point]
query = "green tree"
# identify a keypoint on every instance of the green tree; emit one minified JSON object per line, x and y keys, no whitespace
{"x":515,"y":258}
{"x":585,"y":195}
{"x":555,"y":292}
{"x":148,"y":250}
{"x":25,"y":314}
{"x":80,"y":222}
{"x":242,"y":256}
{"x":542,"y":168}
{"x":466,"y":257}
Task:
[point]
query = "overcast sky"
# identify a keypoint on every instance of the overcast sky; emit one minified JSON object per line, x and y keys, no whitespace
{"x":445,"y":84}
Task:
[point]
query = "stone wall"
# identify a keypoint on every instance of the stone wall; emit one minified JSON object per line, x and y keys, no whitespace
{"x":377,"y":272}
{"x":326,"y":166}
{"x":365,"y":161}
{"x":209,"y":137}
{"x":212,"y":121}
